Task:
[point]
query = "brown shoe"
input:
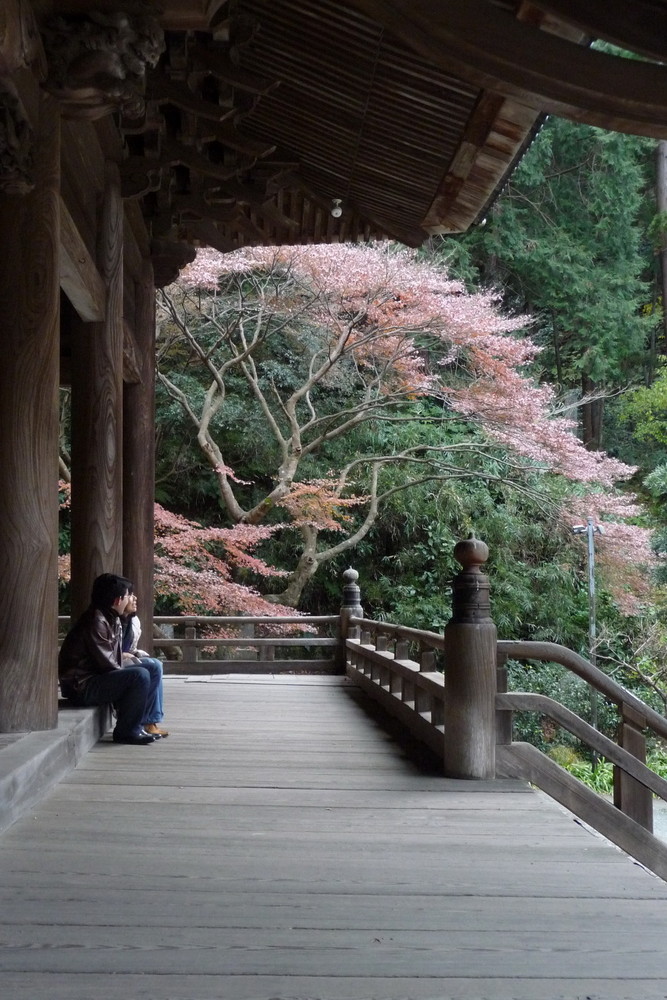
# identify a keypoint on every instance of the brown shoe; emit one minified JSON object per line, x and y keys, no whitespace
{"x":154,"y":730}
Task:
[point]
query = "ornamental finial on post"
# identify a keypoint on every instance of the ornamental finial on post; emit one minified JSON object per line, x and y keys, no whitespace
{"x":352,"y":594}
{"x":470,"y":588}
{"x":350,"y":608}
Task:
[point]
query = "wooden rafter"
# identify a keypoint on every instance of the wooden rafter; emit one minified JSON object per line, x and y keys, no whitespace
{"x":411,"y":113}
{"x":519,"y":60}
{"x":640,"y":26}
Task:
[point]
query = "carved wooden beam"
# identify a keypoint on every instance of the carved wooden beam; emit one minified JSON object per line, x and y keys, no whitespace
{"x":168,"y":258}
{"x":228,"y":136}
{"x":640,"y":26}
{"x":79,"y":278}
{"x":197,"y":205}
{"x":287,"y":176}
{"x":173,"y":152}
{"x":16,"y":142}
{"x":216,"y":10}
{"x":537,"y":68}
{"x":20,"y":41}
{"x":206,"y":233}
{"x":162,"y":90}
{"x":138,"y":176}
{"x":252,"y":232}
{"x":217,"y":62}
{"x":273,"y":216}
{"x":97,"y":64}
{"x":244,"y":194}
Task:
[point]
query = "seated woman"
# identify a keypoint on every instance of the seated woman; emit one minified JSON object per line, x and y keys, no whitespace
{"x":90,"y":665}
{"x":132,"y":656}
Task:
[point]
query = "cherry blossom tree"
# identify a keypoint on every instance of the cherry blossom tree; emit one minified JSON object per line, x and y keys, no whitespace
{"x":377,"y":337}
{"x":195,"y":565}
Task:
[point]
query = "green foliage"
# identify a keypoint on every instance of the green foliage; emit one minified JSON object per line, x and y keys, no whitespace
{"x":600,"y":775}
{"x":646,"y":408}
{"x":656,"y":759}
{"x":565,"y":756}
{"x":531,"y":558}
{"x":565,"y":687}
{"x":569,"y":240}
{"x":655,"y":484}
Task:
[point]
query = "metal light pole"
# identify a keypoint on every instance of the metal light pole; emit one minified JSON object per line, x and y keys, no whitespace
{"x":589,"y":529}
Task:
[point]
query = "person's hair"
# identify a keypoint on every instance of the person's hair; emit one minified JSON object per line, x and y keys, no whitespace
{"x":107,"y":588}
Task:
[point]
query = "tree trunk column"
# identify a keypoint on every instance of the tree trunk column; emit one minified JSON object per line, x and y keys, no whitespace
{"x":139,"y":460}
{"x":29,"y":375}
{"x":97,"y":420}
{"x":470,"y":670}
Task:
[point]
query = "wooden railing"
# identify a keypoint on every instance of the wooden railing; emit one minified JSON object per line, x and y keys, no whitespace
{"x":242,"y":645}
{"x":208,"y":644}
{"x":403,"y":670}
{"x":629,"y":821}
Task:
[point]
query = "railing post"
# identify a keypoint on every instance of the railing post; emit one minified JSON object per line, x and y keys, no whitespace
{"x":350,"y":608}
{"x":405,"y":688}
{"x":630,"y":796}
{"x":504,"y":718}
{"x":190,"y":650}
{"x":470,"y":670}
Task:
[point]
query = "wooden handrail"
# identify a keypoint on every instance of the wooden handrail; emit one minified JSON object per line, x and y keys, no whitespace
{"x":410,"y":690}
{"x":234,"y":619}
{"x":551,"y":652}
{"x":245,"y":620}
{"x":430,"y":639}
{"x":215,"y":640}
{"x":520,"y":701}
{"x":252,"y":653}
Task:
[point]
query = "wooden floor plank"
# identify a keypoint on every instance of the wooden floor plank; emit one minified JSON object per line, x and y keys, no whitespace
{"x":49,"y":986}
{"x":280,"y":845}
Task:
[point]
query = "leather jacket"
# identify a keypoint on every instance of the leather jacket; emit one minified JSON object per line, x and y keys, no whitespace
{"x":92,"y":646}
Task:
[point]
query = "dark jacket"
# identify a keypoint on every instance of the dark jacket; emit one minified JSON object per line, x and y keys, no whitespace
{"x":92,"y":646}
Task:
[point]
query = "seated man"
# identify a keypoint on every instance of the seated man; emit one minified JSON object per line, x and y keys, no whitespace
{"x":132,"y":655}
{"x":90,"y":666}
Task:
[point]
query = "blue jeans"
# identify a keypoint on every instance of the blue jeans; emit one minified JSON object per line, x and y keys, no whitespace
{"x":154,"y":702}
{"x":127,"y":689}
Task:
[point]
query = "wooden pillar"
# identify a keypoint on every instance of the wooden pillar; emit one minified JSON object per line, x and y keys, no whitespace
{"x":470,"y":670}
{"x":29,"y":374}
{"x":97,"y":423}
{"x":139,"y":459}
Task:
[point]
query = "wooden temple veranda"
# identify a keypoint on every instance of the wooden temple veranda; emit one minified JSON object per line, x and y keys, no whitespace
{"x":131,"y":133}
{"x":283,"y":844}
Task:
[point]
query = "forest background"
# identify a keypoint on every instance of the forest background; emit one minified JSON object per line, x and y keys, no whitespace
{"x":313,"y":414}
